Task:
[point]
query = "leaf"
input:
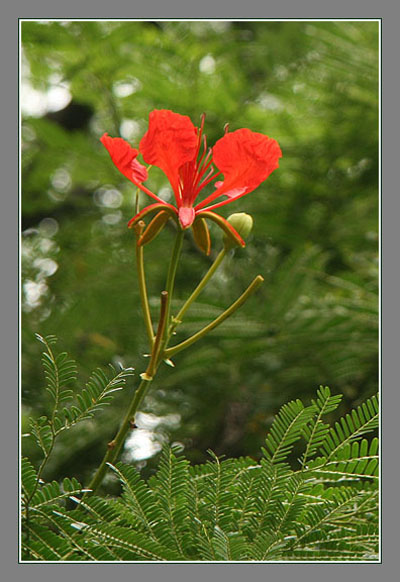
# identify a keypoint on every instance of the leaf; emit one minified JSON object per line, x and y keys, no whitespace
{"x":362,"y":420}
{"x":286,"y":430}
{"x":98,"y":393}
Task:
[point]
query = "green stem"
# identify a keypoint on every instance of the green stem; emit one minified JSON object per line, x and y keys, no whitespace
{"x":202,"y":284}
{"x":168,"y":353}
{"x":157,"y":348}
{"x":142,"y":285}
{"x":155,"y":354}
{"x":169,"y":287}
{"x":115,"y":446}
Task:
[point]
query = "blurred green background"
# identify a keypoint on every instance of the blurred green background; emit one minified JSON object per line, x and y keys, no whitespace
{"x":313,"y":86}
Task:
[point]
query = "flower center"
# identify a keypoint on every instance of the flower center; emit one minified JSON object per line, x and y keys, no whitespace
{"x":198,"y":172}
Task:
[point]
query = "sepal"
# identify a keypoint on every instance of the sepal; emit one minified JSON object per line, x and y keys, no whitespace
{"x":202,"y":235}
{"x":227,"y":228}
{"x":154,"y":228}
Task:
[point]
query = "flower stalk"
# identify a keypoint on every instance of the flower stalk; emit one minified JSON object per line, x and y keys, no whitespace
{"x":173,"y":144}
{"x":220,"y":319}
{"x":142,"y":284}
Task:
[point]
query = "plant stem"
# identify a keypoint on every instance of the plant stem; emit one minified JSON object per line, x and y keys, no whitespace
{"x":194,"y":338}
{"x":155,"y":354}
{"x":142,"y":285}
{"x":115,"y":446}
{"x":202,"y":284}
{"x":169,"y":286}
{"x":157,"y":348}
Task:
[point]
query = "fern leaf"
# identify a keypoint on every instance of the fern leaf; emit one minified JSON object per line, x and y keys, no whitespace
{"x":40,"y":430}
{"x":44,"y":543}
{"x":59,"y":371}
{"x":136,"y":495}
{"x":285,"y":513}
{"x":354,"y":461}
{"x":98,"y":393}
{"x":269,"y":493}
{"x":286,"y":430}
{"x":28,"y":478}
{"x":137,"y":545}
{"x":362,"y":420}
{"x":51,"y":493}
{"x":170,"y":486}
{"x":95,"y":509}
{"x":315,"y":433}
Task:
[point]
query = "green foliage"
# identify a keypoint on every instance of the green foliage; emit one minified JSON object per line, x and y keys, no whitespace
{"x":228,"y":510}
{"x":313,"y":86}
{"x":59,"y":372}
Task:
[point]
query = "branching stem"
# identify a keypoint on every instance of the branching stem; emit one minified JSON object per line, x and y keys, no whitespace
{"x":221,"y":318}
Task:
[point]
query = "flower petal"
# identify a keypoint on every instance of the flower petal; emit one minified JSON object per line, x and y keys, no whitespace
{"x":124,"y":157}
{"x":246,"y":159}
{"x":170,"y":142}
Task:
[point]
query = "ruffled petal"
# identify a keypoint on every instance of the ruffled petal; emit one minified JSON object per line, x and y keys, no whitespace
{"x":170,"y":141}
{"x":246,"y":159}
{"x":124,"y":157}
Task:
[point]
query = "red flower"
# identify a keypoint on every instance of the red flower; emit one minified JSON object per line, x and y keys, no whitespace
{"x":176,"y":146}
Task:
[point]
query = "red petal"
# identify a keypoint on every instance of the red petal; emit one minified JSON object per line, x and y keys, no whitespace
{"x":170,"y":142}
{"x":246,"y":159}
{"x":124,"y":157}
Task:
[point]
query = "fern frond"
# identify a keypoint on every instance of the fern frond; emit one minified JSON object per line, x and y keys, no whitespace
{"x":137,"y":545}
{"x":72,"y":532}
{"x":97,"y":393}
{"x":285,"y":514}
{"x":51,"y":493}
{"x":246,"y":495}
{"x":339,"y":504}
{"x":41,"y":431}
{"x":137,"y":496}
{"x":44,"y":544}
{"x":95,"y":509}
{"x":315,"y":433}
{"x":354,"y":461}
{"x":59,"y":371}
{"x":286,"y":430}
{"x":28,"y":478}
{"x":362,"y":420}
{"x":270,"y":491}
{"x":265,"y":540}
{"x":170,"y":485}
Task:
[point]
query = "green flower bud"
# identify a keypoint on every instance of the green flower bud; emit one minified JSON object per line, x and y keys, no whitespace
{"x":242,"y":223}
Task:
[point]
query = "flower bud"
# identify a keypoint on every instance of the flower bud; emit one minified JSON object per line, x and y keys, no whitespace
{"x":242,"y":223}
